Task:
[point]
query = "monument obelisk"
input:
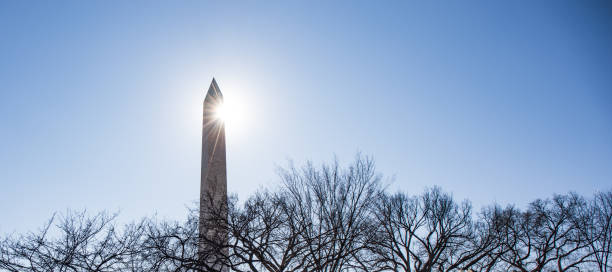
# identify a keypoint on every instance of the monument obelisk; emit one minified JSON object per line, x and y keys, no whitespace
{"x":213,"y":185}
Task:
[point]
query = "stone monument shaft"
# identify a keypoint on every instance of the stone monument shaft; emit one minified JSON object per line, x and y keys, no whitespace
{"x":213,"y":186}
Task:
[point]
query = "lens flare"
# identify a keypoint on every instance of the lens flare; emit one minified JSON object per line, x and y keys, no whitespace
{"x":221,"y":112}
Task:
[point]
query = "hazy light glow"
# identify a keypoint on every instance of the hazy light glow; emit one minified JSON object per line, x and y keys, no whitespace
{"x":221,"y":112}
{"x":231,"y":113}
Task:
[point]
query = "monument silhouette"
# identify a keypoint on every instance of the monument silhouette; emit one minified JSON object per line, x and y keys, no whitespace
{"x":213,"y":187}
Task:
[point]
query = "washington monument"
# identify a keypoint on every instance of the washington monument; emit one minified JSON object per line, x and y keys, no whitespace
{"x":213,"y":185}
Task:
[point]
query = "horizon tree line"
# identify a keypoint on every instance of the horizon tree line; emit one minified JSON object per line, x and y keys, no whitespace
{"x":332,"y":218}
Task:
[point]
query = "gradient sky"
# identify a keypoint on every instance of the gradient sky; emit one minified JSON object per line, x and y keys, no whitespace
{"x":100,"y":101}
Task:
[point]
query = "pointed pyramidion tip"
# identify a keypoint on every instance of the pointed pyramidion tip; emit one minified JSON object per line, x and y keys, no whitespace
{"x":214,"y":90}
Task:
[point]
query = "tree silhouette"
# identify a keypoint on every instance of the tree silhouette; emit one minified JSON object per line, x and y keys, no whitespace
{"x":330,"y":218}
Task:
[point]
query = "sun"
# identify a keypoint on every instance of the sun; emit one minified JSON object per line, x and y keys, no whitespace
{"x":222,"y":112}
{"x":232,"y":112}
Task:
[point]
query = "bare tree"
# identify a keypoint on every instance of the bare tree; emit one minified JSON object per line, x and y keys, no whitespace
{"x":595,"y":224}
{"x":426,"y":233}
{"x":546,"y":236}
{"x":329,"y":219}
{"x":73,"y":242}
{"x":265,"y":235}
{"x":176,"y":246}
{"x":171,"y":246}
{"x":492,"y":232}
{"x":333,"y":211}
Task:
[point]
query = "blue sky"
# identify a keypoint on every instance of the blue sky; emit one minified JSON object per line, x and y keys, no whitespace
{"x":100,"y":101}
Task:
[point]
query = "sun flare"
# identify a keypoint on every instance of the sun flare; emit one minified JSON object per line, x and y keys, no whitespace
{"x":231,"y":113}
{"x":221,"y":112}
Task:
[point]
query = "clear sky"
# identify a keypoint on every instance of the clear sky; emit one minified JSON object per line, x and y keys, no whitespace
{"x":100,"y":101}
